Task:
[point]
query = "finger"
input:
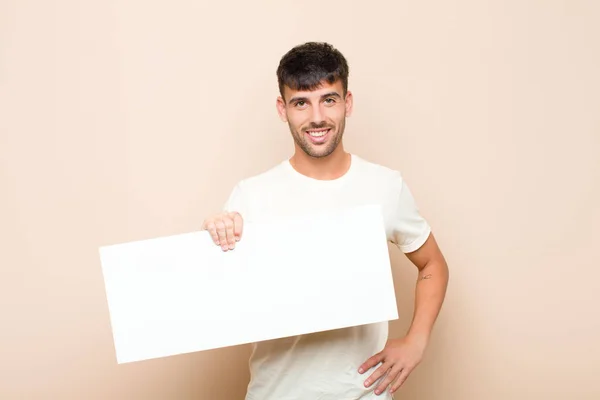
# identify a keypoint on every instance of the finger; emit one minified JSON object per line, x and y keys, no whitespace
{"x":212,"y":230}
{"x":222,"y":233}
{"x":370,"y":363}
{"x":229,"y":232}
{"x":392,"y":374}
{"x":401,"y":379}
{"x":379,"y":372}
{"x":238,"y":225}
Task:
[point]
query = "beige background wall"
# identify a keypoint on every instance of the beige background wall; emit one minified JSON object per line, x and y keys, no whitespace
{"x":127,"y":120}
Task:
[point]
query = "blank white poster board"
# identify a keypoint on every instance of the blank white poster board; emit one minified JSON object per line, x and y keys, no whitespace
{"x":295,"y":275}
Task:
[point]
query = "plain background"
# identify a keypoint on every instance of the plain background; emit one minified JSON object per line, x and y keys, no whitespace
{"x":128,"y":120}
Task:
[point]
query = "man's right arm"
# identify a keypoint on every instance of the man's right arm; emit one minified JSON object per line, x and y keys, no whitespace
{"x":225,"y":229}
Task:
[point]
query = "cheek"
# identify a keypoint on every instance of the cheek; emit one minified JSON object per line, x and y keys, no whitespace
{"x":336,"y":117}
{"x":296,"y":121}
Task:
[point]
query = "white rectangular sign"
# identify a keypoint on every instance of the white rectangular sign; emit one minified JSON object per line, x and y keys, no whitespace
{"x":295,"y":275}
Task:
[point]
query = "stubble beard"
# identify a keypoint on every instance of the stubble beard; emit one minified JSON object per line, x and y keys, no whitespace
{"x":318,"y":151}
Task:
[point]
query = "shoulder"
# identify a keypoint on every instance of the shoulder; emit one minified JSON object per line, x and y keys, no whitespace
{"x":379,"y":173}
{"x":253,"y":187}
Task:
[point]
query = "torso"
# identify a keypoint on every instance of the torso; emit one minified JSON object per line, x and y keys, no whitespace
{"x":320,"y":365}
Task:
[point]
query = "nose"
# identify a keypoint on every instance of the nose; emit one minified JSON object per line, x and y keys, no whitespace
{"x":317,"y":115}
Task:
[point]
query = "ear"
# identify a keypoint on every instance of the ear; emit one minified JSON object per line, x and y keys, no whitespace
{"x":349,"y":103}
{"x":281,"y":109}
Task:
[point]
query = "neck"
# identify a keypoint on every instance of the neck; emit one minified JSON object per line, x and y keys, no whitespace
{"x":333,"y":166}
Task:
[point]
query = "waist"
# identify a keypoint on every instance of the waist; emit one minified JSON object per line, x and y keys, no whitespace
{"x":321,"y":365}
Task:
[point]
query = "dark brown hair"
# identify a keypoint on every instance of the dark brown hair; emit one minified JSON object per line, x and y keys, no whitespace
{"x":306,"y":66}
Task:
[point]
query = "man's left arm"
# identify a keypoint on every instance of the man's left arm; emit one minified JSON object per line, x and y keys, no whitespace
{"x":400,"y":356}
{"x":430,"y":291}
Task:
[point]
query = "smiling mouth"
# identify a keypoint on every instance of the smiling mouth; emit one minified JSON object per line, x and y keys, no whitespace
{"x":317,"y":133}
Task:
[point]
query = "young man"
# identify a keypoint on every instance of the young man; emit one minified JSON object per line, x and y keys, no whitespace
{"x":358,"y":362}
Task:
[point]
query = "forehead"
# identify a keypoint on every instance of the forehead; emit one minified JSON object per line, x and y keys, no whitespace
{"x":322,"y":89}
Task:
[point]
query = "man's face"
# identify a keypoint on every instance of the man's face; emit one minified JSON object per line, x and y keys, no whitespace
{"x":316,"y":118}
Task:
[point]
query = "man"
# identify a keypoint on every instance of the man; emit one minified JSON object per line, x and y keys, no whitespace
{"x":358,"y":362}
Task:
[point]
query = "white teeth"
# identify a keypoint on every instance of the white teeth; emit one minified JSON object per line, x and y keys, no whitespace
{"x":317,"y":134}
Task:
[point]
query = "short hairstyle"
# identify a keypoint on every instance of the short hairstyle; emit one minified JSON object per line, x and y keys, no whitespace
{"x":305,"y":66}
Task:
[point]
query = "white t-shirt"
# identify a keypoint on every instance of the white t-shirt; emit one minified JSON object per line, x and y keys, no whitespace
{"x":324,"y":365}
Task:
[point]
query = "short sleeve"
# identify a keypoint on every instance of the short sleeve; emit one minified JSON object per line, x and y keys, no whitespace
{"x":410,"y":229}
{"x":234,"y":201}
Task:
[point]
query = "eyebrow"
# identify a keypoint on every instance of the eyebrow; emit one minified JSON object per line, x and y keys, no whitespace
{"x":330,"y":94}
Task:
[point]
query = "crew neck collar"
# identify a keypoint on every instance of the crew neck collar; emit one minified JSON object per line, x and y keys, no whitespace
{"x":353,"y":161}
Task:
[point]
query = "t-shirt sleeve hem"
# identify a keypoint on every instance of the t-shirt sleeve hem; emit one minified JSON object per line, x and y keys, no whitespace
{"x":418,"y":242}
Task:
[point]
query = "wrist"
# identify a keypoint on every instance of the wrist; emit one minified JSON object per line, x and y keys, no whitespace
{"x":419,"y":338}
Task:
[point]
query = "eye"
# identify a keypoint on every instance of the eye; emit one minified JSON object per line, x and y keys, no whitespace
{"x":330,"y":100}
{"x":300,"y":103}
